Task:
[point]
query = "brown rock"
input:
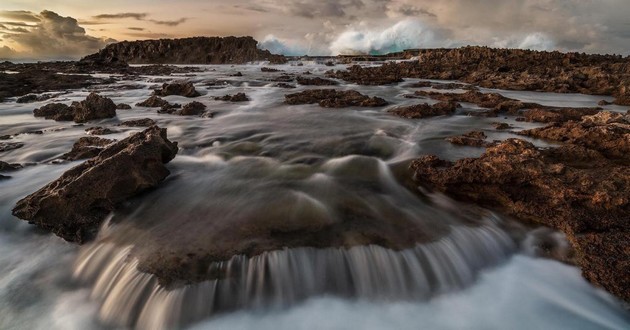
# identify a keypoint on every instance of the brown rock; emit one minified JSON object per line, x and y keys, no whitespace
{"x":186,"y":89}
{"x":74,"y":205}
{"x":471,"y":139}
{"x":6,"y":146}
{"x":55,"y":111}
{"x":6,"y":167}
{"x":193,"y":109}
{"x":87,"y":147}
{"x":93,"y":107}
{"x":123,"y":106}
{"x":425,"y":110}
{"x":501,"y":126}
{"x":316,"y":81}
{"x":331,"y":98}
{"x":100,"y":131}
{"x":239,"y":97}
{"x":144,"y":122}
{"x":155,"y":102}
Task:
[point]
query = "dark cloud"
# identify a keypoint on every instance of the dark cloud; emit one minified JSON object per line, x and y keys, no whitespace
{"x":410,"y":10}
{"x":136,"y":29}
{"x":252,"y":7}
{"x":320,"y":9}
{"x":137,"y":16}
{"x":148,"y":35}
{"x":55,"y":36}
{"x":19,"y":15}
{"x":169,"y":23}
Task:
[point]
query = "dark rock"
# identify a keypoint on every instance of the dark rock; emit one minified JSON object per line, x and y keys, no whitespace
{"x":74,"y":205}
{"x":145,"y":122}
{"x":603,"y":103}
{"x":316,"y":81}
{"x":93,"y":107}
{"x":100,"y":131}
{"x":471,"y":139}
{"x":55,"y":111}
{"x":557,"y":115}
{"x":193,"y":109}
{"x":382,"y":75}
{"x":501,"y":126}
{"x":197,"y":50}
{"x":425,"y":110}
{"x":87,"y":147}
{"x":238,"y":74}
{"x":331,"y":98}
{"x":284,"y":85}
{"x":6,"y":167}
{"x":239,"y":97}
{"x":186,"y":89}
{"x":157,"y":102}
{"x":123,"y":106}
{"x":265,"y":69}
{"x":7,"y":146}
{"x":34,"y":98}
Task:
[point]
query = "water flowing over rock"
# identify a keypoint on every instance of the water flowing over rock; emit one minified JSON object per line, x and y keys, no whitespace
{"x":144,"y":122}
{"x":331,"y":98}
{"x":238,"y":97}
{"x":74,"y":205}
{"x":425,"y":110}
{"x":573,"y":188}
{"x":471,"y":139}
{"x":87,"y":147}
{"x":197,"y":50}
{"x":317,"y":81}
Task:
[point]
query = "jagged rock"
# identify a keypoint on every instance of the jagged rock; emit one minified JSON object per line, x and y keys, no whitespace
{"x":55,"y":111}
{"x":6,"y":167}
{"x":316,"y":81}
{"x":100,"y":131}
{"x":144,"y":122}
{"x":570,"y":188}
{"x":331,"y":98}
{"x":87,"y":147}
{"x":239,"y":97}
{"x":123,"y":106}
{"x":186,"y":89}
{"x":193,"y":109}
{"x":284,"y":85}
{"x":157,"y":102}
{"x":265,"y":69}
{"x":375,"y":76}
{"x":35,"y":98}
{"x":197,"y":50}
{"x":93,"y":107}
{"x":74,"y":205}
{"x":502,"y":126}
{"x":557,"y":115}
{"x":471,"y":139}
{"x":425,"y":110}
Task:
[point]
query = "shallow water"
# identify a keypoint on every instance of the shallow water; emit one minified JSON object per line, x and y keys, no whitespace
{"x":266,"y":161}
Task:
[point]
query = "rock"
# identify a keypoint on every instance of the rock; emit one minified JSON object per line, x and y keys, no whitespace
{"x":471,"y":139}
{"x":7,"y":146}
{"x":145,"y":122}
{"x":6,"y":167}
{"x":35,"y":98}
{"x":193,"y":109}
{"x":4,"y":177}
{"x":382,"y":75}
{"x":186,"y":89}
{"x":237,"y":74}
{"x":284,"y":85}
{"x":606,"y":132}
{"x":239,"y":97}
{"x":100,"y":131}
{"x":197,"y":50}
{"x":603,"y":103}
{"x":502,"y":126}
{"x":38,"y":78}
{"x":329,"y":63}
{"x":331,"y":98}
{"x":316,"y":81}
{"x":123,"y":106}
{"x":55,"y":111}
{"x":87,"y":147}
{"x":557,"y":115}
{"x":572,"y":188}
{"x":74,"y":205}
{"x":425,"y":110}
{"x":283,"y":78}
{"x":94,"y":107}
{"x":265,"y":69}
{"x":157,"y":102}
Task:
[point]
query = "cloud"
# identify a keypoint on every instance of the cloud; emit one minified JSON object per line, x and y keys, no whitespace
{"x":169,"y":23}
{"x":19,"y":15}
{"x":137,"y":16}
{"x":7,"y":53}
{"x":136,"y":29}
{"x":285,"y":47}
{"x":55,"y":36}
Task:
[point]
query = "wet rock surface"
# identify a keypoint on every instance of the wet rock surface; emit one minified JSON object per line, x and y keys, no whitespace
{"x":331,"y":98}
{"x":74,"y":205}
{"x":186,"y":89}
{"x":7,"y":167}
{"x":123,"y":106}
{"x":382,"y":75}
{"x":425,"y":110}
{"x":7,"y":146}
{"x":193,"y":109}
{"x":238,"y":97}
{"x":98,"y":130}
{"x":316,"y":81}
{"x":581,"y":188}
{"x":144,"y":122}
{"x":471,"y":139}
{"x":87,"y":147}
{"x":93,"y":107}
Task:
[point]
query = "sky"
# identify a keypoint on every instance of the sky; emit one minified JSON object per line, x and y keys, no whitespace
{"x":70,"y":29}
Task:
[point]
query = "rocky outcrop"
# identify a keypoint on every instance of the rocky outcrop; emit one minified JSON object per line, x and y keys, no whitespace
{"x":471,"y":139}
{"x":316,"y":81}
{"x":581,"y":188}
{"x":98,"y":130}
{"x":93,"y":107}
{"x":144,"y":122}
{"x":74,"y":205}
{"x":425,"y":110}
{"x":331,"y":98}
{"x":123,"y":106}
{"x":87,"y":147}
{"x":7,"y":146}
{"x":356,"y":74}
{"x":186,"y":89}
{"x":193,"y":109}
{"x":197,"y":50}
{"x":238,"y":97}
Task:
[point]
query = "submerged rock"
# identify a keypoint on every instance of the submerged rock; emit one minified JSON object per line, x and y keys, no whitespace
{"x":7,"y":167}
{"x":6,"y":146}
{"x":186,"y":89}
{"x":572,"y":188}
{"x":382,"y":75}
{"x":316,"y":81}
{"x":144,"y":122}
{"x":98,"y":130}
{"x":471,"y":139}
{"x":74,"y":205}
{"x":87,"y":147}
{"x":123,"y":106}
{"x":331,"y":98}
{"x":425,"y":110}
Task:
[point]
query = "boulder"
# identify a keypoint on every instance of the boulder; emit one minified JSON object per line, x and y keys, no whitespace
{"x":425,"y":110}
{"x":87,"y":147}
{"x":331,"y":98}
{"x":74,"y":205}
{"x":186,"y":89}
{"x":193,"y":109}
